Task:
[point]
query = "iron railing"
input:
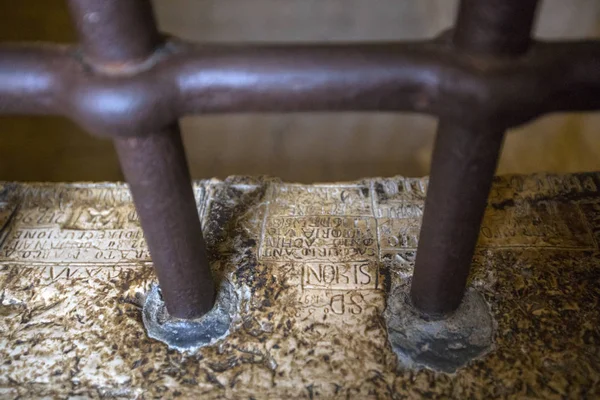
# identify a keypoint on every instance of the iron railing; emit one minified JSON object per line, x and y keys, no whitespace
{"x":128,"y":82}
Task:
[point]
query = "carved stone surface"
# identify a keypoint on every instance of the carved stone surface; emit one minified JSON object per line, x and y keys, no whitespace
{"x":311,"y":265}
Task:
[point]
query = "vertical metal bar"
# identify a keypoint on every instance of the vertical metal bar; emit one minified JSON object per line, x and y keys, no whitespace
{"x":496,"y":27}
{"x":463,"y":165}
{"x":159,"y":179}
{"x":464,"y":162}
{"x":115,"y":31}
{"x":124,"y":31}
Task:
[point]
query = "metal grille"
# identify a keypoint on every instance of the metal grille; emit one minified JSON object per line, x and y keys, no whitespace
{"x":128,"y":82}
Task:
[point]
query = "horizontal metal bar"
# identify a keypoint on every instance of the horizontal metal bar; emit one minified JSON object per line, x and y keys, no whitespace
{"x":181,"y":79}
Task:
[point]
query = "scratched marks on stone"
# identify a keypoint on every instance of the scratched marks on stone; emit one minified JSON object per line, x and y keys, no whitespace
{"x":539,"y":211}
{"x":57,"y":245}
{"x":398,"y":209}
{"x":69,"y":224}
{"x":545,"y":223}
{"x":50,"y":273}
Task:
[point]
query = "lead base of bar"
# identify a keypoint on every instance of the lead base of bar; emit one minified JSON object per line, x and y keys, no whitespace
{"x":189,"y":335}
{"x":441,"y":345}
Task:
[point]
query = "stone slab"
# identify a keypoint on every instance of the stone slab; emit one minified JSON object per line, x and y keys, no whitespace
{"x":312,"y":265}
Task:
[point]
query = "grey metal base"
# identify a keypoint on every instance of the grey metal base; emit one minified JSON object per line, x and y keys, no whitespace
{"x":190,"y":335}
{"x":442,"y":345}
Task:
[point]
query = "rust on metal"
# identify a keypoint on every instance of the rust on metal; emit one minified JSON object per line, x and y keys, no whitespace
{"x":495,"y":27}
{"x":184,"y":79}
{"x":464,"y":161}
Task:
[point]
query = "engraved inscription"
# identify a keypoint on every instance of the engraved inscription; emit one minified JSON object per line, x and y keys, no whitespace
{"x":310,"y":265}
{"x":322,"y":304}
{"x":398,"y":233}
{"x":400,"y":198}
{"x":536,"y":224}
{"x":340,"y":276}
{"x":518,"y":215}
{"x":301,"y":200}
{"x":62,"y":224}
{"x":319,"y":238}
{"x":55,"y":245}
{"x":544,"y":186}
{"x":59,"y":272}
{"x":328,"y":275}
{"x":102,"y":218}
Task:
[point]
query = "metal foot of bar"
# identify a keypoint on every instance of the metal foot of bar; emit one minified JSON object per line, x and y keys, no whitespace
{"x":190,"y":335}
{"x":439,"y":344}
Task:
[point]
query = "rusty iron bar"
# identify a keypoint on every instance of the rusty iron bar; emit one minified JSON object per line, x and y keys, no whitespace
{"x":494,"y":27}
{"x":156,"y":168}
{"x":115,"y":32}
{"x":132,"y":84}
{"x":180,"y":79}
{"x":117,"y":36}
{"x":464,"y":162}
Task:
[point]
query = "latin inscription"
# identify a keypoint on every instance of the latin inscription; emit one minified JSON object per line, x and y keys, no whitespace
{"x":328,"y":275}
{"x":56,"y":225}
{"x":61,"y":272}
{"x":55,"y":245}
{"x":323,"y":240}
{"x":340,"y":276}
{"x":398,"y":233}
{"x":536,"y":224}
{"x":544,"y":186}
{"x":304,"y":200}
{"x":323,"y":304}
{"x":319,"y":238}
